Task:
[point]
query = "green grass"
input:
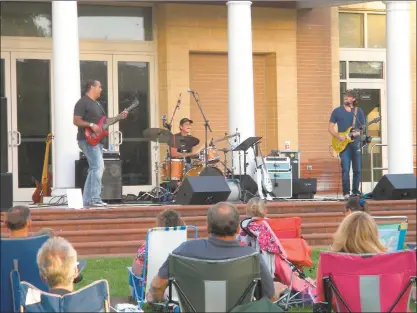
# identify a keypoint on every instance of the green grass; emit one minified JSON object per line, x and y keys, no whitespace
{"x":114,"y":271}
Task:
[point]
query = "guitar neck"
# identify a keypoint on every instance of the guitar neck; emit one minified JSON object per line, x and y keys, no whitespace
{"x":45,"y":164}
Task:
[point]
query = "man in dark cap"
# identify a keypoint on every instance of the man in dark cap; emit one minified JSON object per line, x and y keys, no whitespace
{"x":185,"y":148}
{"x":345,"y":116}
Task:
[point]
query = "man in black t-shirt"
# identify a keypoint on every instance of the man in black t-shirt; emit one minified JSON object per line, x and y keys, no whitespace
{"x":87,"y":113}
{"x":187,"y":150}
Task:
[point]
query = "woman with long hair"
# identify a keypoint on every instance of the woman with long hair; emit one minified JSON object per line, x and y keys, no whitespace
{"x":357,"y":234}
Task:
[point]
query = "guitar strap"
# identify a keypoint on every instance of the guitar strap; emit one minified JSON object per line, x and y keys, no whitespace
{"x":354,"y":118}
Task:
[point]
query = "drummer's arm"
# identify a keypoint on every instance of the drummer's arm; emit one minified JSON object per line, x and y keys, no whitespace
{"x":176,"y":154}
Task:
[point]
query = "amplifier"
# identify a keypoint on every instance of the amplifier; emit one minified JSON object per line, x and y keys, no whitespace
{"x":281,"y":183}
{"x":111,"y":182}
{"x":107,"y":155}
{"x":278,"y":164}
{"x":295,"y":160}
{"x":304,"y":188}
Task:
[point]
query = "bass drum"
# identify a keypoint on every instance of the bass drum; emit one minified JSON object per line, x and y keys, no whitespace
{"x":235,"y":190}
{"x":203,"y":171}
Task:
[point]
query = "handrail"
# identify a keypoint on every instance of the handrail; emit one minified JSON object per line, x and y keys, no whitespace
{"x":379,"y":168}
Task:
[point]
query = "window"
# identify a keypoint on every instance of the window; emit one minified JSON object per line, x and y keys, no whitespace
{"x":26,"y":19}
{"x":114,"y":22}
{"x":342,"y":67}
{"x":362,"y":30}
{"x":351,"y":32}
{"x":343,"y":87}
{"x":363,"y":69}
{"x":376,"y":31}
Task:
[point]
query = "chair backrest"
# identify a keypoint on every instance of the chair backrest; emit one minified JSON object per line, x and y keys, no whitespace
{"x":392,"y":231}
{"x":371,"y":282}
{"x":285,"y":228}
{"x":160,"y":242}
{"x":214,"y":285}
{"x":92,"y":298}
{"x":18,"y":262}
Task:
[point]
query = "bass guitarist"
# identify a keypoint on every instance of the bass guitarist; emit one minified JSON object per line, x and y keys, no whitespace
{"x":349,"y":115}
{"x":87,"y":113}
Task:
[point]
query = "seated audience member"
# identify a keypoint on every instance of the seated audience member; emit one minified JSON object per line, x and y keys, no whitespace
{"x":357,"y":234}
{"x":255,"y":209}
{"x":222,"y":226}
{"x":57,"y":262}
{"x":166,"y":218}
{"x":354,"y":204}
{"x":18,"y":221}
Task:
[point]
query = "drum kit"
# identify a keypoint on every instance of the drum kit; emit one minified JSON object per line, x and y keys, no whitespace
{"x":174,"y":171}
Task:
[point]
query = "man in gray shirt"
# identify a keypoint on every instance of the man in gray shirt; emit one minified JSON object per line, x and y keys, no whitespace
{"x":223,"y":226}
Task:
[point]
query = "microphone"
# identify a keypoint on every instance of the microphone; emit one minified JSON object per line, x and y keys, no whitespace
{"x":192,"y":91}
{"x":164,"y":120}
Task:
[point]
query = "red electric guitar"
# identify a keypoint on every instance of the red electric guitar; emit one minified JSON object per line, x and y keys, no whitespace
{"x":104,"y":122}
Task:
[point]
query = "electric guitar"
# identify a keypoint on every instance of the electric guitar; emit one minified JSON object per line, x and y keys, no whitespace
{"x":340,"y":146}
{"x":43,"y":188}
{"x":104,"y":123}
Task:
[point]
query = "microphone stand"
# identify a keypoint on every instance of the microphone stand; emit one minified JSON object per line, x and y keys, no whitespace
{"x":206,"y":126}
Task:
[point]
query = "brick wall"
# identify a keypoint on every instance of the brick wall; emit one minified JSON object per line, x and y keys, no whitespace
{"x":316,"y":95}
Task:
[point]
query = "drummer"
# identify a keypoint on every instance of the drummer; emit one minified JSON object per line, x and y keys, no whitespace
{"x":189,"y":148}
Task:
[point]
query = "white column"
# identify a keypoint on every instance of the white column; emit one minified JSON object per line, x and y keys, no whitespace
{"x":66,"y":85}
{"x":399,"y":113}
{"x":241,"y":94}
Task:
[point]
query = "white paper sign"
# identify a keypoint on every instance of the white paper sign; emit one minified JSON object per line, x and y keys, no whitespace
{"x":33,"y":296}
{"x":75,"y":198}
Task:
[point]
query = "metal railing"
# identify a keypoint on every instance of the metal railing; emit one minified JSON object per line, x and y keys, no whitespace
{"x":373,"y":169}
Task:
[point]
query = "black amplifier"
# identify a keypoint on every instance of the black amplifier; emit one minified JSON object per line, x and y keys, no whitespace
{"x":107,"y":155}
{"x":304,"y":188}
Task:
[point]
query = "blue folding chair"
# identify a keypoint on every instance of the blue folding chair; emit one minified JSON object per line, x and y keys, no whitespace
{"x":18,"y":262}
{"x":393,"y":231}
{"x":92,"y":298}
{"x":160,"y":242}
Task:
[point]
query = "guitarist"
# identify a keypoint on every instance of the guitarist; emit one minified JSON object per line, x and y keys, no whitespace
{"x":349,"y":115}
{"x":87,"y":113}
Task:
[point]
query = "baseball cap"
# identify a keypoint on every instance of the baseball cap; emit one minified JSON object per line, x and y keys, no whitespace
{"x":185,"y":120}
{"x":351,"y":93}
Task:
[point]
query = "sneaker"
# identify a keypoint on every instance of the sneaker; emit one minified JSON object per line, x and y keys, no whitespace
{"x":99,"y":204}
{"x":346,"y":196}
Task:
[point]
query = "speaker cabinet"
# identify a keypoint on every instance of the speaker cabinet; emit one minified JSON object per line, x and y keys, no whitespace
{"x":3,"y":136}
{"x":203,"y":190}
{"x":111,"y":181}
{"x":304,"y":188}
{"x":396,"y":187}
{"x":6,"y":191}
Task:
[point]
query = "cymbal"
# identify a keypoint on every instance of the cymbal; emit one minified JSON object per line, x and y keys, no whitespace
{"x":158,"y":134}
{"x":188,"y":141}
{"x":225,"y":150}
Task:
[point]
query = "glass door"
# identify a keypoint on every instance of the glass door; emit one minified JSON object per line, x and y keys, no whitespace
{"x":31,"y":119}
{"x":99,"y":67}
{"x":372,"y":101}
{"x":134,"y":79}
{"x":5,"y":93}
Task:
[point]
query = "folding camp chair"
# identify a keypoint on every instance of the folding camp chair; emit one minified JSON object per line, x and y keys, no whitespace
{"x":368,"y":283}
{"x":392,"y":234}
{"x":160,"y":242}
{"x":213,"y":285}
{"x":18,"y":262}
{"x":92,"y":298}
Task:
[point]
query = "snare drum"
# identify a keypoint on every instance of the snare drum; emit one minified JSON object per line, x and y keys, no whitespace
{"x":213,"y":155}
{"x":172,"y":170}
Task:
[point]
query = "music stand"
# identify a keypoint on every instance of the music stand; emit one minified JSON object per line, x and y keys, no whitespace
{"x":245,"y":146}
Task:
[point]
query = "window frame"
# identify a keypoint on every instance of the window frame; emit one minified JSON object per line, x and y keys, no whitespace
{"x":365,"y":26}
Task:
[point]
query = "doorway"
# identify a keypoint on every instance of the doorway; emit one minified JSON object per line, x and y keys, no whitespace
{"x":372,"y":101}
{"x":28,"y":87}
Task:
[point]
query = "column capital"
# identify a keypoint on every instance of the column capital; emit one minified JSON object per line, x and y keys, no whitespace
{"x":397,"y":5}
{"x":249,"y":3}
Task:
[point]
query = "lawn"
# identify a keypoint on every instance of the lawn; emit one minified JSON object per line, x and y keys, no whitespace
{"x":114,"y":271}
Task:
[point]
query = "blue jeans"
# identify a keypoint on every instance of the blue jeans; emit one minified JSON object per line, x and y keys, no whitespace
{"x":352,"y":154}
{"x":92,"y":186}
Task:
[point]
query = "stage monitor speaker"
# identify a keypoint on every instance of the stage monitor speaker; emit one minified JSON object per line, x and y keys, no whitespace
{"x":111,"y":181}
{"x":396,"y":187}
{"x":6,"y":191}
{"x":3,"y":136}
{"x":203,"y":190}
